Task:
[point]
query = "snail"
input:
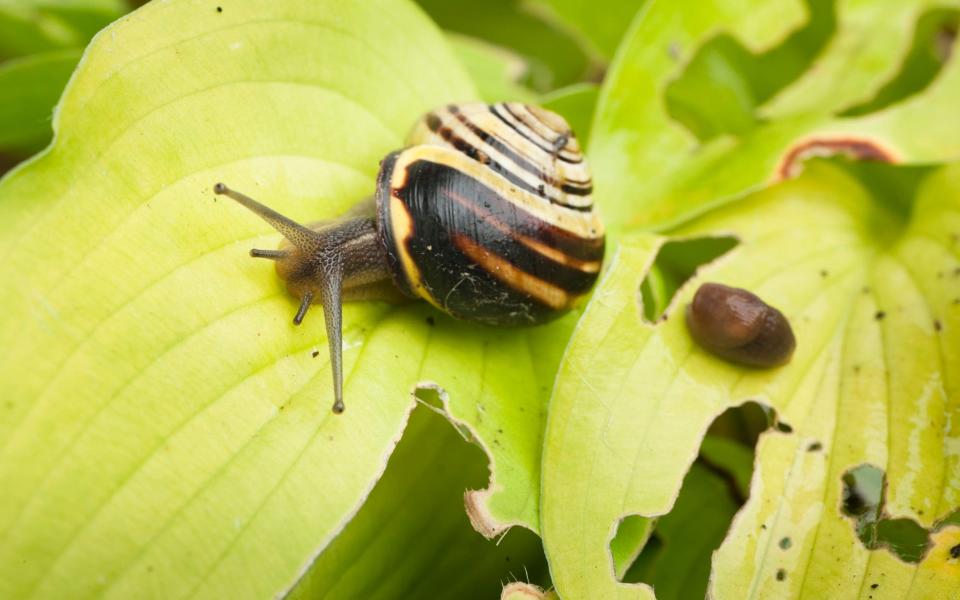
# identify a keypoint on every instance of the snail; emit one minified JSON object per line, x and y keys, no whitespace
{"x":740,"y":327}
{"x":486,"y":214}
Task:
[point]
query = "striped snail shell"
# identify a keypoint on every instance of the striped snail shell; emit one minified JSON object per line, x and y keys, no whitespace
{"x":486,"y":214}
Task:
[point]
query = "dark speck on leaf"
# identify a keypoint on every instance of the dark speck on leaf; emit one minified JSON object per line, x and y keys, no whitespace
{"x":937,"y":325}
{"x":955,"y":552}
{"x":784,"y":427}
{"x":315,"y":353}
{"x":815,"y":447}
{"x":874,"y":586}
{"x":763,"y":526}
{"x":219,"y":9}
{"x":824,"y":272}
{"x":785,"y":543}
{"x":781,"y":574}
{"x":880,"y":315}
{"x":866,"y":289}
{"x":431,"y":322}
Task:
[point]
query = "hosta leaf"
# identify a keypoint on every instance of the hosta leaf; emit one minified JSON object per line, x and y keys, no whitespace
{"x":601,"y":23}
{"x":652,"y":171}
{"x":495,"y":71}
{"x":875,"y":305}
{"x":164,"y":427}
{"x":554,"y":57}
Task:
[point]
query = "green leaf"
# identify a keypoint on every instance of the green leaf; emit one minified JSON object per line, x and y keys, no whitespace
{"x":495,"y":71}
{"x":729,"y":456}
{"x":32,"y":26}
{"x":412,"y":539}
{"x":29,"y":89}
{"x":875,"y":304}
{"x":555,"y":59}
{"x":601,"y":23}
{"x":164,"y":427}
{"x":651,"y":171}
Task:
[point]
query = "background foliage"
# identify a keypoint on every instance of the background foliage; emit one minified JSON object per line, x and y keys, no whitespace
{"x":164,"y":430}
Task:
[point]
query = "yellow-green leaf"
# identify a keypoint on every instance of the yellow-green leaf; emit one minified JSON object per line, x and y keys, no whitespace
{"x":651,"y":171}
{"x":875,"y":304}
{"x":164,"y":428}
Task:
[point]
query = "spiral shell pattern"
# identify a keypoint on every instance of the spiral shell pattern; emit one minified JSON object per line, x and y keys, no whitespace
{"x":489,"y":216}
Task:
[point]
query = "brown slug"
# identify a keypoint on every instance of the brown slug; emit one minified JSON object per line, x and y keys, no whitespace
{"x":740,"y":327}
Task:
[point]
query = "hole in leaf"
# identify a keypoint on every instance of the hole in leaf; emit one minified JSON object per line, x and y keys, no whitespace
{"x":905,"y":537}
{"x":933,"y":42}
{"x":713,"y":491}
{"x":420,"y":497}
{"x":633,"y":532}
{"x":724,"y":83}
{"x":430,"y":395}
{"x":864,"y":499}
{"x":676,"y":262}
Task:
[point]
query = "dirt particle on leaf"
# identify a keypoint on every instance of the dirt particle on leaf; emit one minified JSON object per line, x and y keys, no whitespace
{"x":874,"y":586}
{"x":824,"y":273}
{"x":315,"y":353}
{"x":781,"y":574}
{"x":784,"y":427}
{"x":955,"y":552}
{"x":674,"y":51}
{"x":937,"y":325}
{"x":431,"y":321}
{"x":219,"y":9}
{"x":815,"y":447}
{"x":880,"y":315}
{"x":785,"y":543}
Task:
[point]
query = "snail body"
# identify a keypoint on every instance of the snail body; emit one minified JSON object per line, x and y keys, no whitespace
{"x":487,"y":214}
{"x":739,"y":326}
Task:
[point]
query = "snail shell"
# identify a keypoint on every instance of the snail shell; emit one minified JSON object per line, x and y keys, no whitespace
{"x":489,"y":215}
{"x":737,"y":325}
